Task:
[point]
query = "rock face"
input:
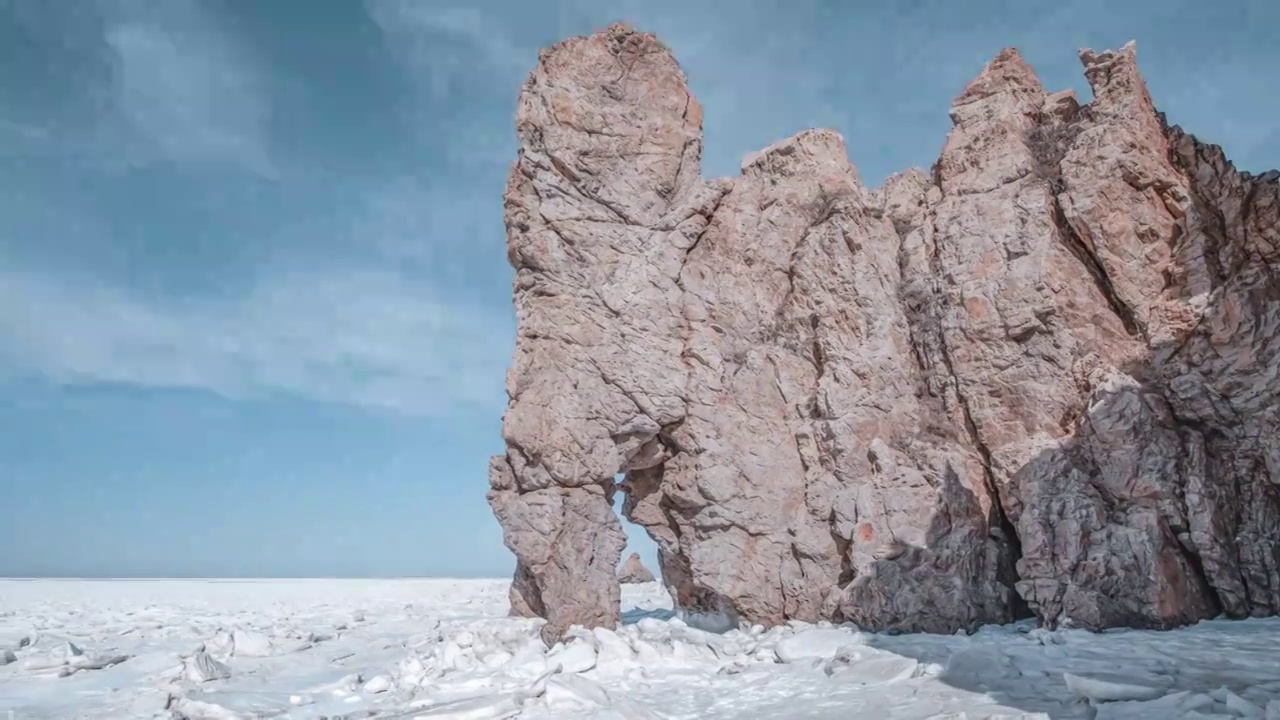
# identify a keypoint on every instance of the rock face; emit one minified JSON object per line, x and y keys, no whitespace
{"x":633,"y":571}
{"x":1042,"y":378}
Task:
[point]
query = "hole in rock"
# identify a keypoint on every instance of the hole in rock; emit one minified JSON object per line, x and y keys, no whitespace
{"x":639,"y":601}
{"x":638,"y":540}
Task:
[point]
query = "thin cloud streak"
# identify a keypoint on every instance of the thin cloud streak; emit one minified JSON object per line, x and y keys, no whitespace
{"x":364,"y":339}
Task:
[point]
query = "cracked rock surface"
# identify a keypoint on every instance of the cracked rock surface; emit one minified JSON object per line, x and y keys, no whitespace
{"x":1041,"y":378}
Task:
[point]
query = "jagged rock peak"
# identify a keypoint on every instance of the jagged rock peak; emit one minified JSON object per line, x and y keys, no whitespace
{"x":1044,"y":378}
{"x":1007,"y":72}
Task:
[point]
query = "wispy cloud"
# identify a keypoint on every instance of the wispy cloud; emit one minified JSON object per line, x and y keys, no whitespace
{"x":361,"y":338}
{"x":459,"y":57}
{"x":450,"y":46}
{"x":366,"y":320}
{"x":187,"y":93}
{"x":125,"y":83}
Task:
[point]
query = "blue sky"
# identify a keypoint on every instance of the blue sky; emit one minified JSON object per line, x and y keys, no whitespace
{"x":254,"y":302}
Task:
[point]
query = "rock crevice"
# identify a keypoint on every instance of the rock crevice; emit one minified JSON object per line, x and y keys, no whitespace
{"x":1040,"y":378}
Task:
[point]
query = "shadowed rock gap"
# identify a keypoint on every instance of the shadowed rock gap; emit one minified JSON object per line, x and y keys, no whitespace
{"x":1001,"y":527}
{"x":1050,"y":365}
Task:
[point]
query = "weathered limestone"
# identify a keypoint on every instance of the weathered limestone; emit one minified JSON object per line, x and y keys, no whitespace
{"x":1041,"y":378}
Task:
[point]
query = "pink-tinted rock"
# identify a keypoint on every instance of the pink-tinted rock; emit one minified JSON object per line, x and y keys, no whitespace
{"x":634,"y":572}
{"x":1041,"y":378}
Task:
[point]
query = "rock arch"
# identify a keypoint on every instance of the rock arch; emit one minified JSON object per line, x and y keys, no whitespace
{"x":934,"y":405}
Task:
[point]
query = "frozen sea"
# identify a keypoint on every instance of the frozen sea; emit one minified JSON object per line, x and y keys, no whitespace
{"x":227,"y":649}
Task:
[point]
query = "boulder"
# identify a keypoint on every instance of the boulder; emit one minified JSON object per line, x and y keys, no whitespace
{"x":633,"y":571}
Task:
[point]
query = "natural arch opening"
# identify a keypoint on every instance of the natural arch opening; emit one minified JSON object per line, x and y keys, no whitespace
{"x":638,"y":540}
{"x":637,"y":601}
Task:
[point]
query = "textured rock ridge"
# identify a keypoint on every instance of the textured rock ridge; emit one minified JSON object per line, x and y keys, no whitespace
{"x":1041,"y":378}
{"x":633,"y":571}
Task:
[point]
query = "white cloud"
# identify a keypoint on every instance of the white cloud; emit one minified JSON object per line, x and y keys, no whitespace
{"x":366,"y":339}
{"x":460,"y":51}
{"x":187,"y":98}
{"x":188,"y":94}
{"x":185,"y":90}
{"x":132,"y":82}
{"x":445,"y":43}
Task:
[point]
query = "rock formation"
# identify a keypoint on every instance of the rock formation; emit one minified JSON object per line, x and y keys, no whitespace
{"x":634,"y":572}
{"x":1041,"y":378}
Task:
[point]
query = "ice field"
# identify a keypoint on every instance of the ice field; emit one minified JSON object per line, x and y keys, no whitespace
{"x":230,"y":649}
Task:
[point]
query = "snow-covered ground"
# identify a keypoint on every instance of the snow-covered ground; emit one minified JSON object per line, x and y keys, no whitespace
{"x":445,"y":649}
